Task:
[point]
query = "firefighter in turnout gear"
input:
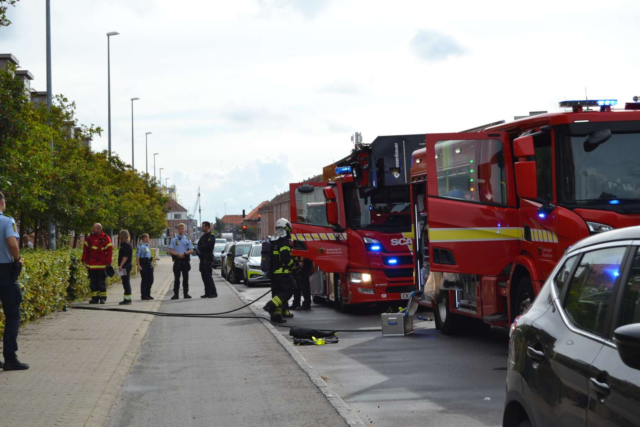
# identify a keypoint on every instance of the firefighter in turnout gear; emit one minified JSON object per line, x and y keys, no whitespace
{"x":282,"y":265}
{"x":96,"y":256}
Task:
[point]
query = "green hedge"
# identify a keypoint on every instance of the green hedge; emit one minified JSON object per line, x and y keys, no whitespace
{"x":50,"y":279}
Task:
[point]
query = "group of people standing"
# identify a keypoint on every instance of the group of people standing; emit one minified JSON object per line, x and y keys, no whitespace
{"x":97,"y":257}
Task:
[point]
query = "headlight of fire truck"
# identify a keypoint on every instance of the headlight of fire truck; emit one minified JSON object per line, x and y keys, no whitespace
{"x":372,"y":245}
{"x":360,"y":278}
{"x":595,"y":227}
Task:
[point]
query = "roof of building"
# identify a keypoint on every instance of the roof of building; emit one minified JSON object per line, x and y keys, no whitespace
{"x":284,"y":197}
{"x":232,"y":219}
{"x":253,"y":215}
{"x":174,"y":206}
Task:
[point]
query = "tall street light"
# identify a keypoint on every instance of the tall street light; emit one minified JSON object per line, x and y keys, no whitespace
{"x":133,"y":156}
{"x":161,"y":177}
{"x":112,"y":33}
{"x":154,"y":165}
{"x":166,"y":182}
{"x":146,"y":151}
{"x":52,"y":227}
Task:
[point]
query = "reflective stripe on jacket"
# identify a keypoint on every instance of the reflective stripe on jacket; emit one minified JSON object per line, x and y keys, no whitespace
{"x":97,"y":252}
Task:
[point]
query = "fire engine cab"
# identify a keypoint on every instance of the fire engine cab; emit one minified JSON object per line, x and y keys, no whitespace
{"x":494,"y":209}
{"x":355,"y":225}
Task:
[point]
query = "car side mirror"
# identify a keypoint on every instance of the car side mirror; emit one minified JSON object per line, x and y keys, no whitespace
{"x":527,"y":180}
{"x":245,"y":256}
{"x":331,"y":206}
{"x":627,"y":339}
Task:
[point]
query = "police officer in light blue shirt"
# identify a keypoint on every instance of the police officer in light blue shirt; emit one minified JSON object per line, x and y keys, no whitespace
{"x":180,"y":250}
{"x":145,"y":264}
{"x":10,"y":295}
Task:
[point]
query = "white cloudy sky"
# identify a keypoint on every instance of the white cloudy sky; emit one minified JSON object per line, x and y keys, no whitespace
{"x":245,"y":96}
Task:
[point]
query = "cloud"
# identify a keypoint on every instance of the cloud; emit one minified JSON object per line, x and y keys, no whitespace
{"x":337,"y":127}
{"x":431,"y":45}
{"x":309,"y":9}
{"x":246,"y":114}
{"x":341,"y":88}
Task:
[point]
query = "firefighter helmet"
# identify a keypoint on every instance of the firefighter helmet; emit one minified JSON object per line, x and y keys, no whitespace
{"x":283,"y":228}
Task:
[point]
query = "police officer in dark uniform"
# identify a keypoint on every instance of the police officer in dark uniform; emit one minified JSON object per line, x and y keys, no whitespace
{"x":181,"y":249}
{"x":304,"y":286}
{"x":10,"y":295}
{"x":205,"y":252}
{"x":282,"y":265}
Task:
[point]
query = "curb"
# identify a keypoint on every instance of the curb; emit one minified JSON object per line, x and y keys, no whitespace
{"x":336,"y":401}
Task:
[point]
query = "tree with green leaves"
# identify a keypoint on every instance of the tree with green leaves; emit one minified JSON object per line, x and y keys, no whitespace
{"x":4,"y":5}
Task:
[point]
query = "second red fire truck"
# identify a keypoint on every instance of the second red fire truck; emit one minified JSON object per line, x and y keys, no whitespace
{"x":495,"y":209}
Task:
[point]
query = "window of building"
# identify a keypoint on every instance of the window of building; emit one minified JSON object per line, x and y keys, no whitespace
{"x":591,"y":288}
{"x":471,"y":170}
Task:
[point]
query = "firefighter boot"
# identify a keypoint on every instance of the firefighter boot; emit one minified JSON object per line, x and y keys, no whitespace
{"x":270,"y":307}
{"x":287,"y":314}
{"x":94,"y":300}
{"x":276,"y":318}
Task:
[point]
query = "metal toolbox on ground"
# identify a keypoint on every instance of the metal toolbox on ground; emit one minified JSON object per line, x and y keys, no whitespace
{"x":401,"y":324}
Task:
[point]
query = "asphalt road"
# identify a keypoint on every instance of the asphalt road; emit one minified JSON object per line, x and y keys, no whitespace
{"x":425,"y":379}
{"x":216,"y":372}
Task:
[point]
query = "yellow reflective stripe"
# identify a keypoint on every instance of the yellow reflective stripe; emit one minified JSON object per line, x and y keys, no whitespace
{"x":286,"y":248}
{"x":97,"y":266}
{"x":86,"y":243}
{"x":315,"y":236}
{"x":103,"y":294}
{"x":293,"y":237}
{"x":94,"y":247}
{"x":108,"y":246}
{"x":94,"y":294}
{"x":323,"y":236}
{"x":474,"y":234}
{"x":308,"y":237}
{"x":282,"y":271}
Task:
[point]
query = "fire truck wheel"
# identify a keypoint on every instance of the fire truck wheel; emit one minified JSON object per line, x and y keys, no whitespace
{"x":446,"y":321}
{"x":524,"y":296}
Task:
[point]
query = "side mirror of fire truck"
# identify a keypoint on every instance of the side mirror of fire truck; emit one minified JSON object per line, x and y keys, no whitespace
{"x":331,"y":207}
{"x":527,"y":180}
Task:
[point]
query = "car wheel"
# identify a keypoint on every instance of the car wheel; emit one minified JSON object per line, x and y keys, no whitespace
{"x":232,"y":276}
{"x":524,"y":297}
{"x":446,"y":321}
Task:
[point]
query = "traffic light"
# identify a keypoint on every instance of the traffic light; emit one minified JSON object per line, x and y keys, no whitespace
{"x":244,"y":228}
{"x":243,"y":214}
{"x":259,"y":217}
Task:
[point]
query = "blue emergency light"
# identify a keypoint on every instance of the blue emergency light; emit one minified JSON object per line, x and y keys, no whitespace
{"x":614,"y":202}
{"x":343,"y":170}
{"x":392,"y":261}
{"x":589,"y":103}
{"x":542,"y":215}
{"x":375,"y":247}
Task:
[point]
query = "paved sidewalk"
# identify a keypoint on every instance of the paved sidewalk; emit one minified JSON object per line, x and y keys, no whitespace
{"x":217,"y":372}
{"x":79,"y":360}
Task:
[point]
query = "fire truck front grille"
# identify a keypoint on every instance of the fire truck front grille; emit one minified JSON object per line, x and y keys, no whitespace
{"x":400,"y":289}
{"x":399,"y":272}
{"x":398,"y":260}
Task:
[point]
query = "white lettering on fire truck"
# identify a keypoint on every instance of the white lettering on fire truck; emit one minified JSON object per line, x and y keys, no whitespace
{"x":401,"y":242}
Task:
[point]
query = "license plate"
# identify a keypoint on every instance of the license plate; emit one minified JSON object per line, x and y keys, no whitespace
{"x":406,"y":295}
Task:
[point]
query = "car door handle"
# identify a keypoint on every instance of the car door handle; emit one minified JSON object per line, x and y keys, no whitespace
{"x":535,"y":354}
{"x":600,"y":387}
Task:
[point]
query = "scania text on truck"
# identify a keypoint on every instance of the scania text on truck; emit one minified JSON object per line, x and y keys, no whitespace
{"x":495,"y":209}
{"x":356,"y":224}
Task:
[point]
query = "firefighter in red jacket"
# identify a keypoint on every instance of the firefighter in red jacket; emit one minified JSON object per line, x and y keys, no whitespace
{"x":96,"y":256}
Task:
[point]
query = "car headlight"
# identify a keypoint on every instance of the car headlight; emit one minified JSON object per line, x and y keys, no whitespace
{"x":238,"y":265}
{"x":596,"y":227}
{"x":372,"y":245}
{"x":254,"y":266}
{"x":360,"y":278}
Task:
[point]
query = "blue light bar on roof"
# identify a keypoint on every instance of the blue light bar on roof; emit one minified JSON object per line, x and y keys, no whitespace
{"x":614,"y":202}
{"x":343,"y":170}
{"x":589,"y":103}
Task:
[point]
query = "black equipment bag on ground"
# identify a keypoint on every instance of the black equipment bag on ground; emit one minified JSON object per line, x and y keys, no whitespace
{"x":306,"y":333}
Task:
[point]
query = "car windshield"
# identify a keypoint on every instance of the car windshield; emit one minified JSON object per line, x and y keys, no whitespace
{"x":255,"y":251}
{"x":219,"y":247}
{"x":242,"y":250}
{"x":601,"y":174}
{"x":386,"y":209}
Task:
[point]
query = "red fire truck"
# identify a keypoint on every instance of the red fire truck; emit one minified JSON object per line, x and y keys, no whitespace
{"x":356,"y":224}
{"x":494,"y":209}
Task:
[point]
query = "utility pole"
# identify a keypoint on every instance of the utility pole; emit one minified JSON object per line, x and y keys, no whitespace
{"x":133,"y":161}
{"x":112,"y":33}
{"x":146,"y":151}
{"x":52,"y":227}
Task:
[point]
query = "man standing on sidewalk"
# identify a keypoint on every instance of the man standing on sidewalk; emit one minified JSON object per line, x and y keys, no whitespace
{"x":145,"y":265}
{"x":181,"y":249}
{"x":205,"y":253}
{"x":10,"y":295}
{"x":96,"y":256}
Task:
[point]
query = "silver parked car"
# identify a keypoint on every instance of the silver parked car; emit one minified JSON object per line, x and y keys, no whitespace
{"x":252,"y":273}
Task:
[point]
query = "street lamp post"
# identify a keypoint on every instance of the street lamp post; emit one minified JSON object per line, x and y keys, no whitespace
{"x":52,"y":227}
{"x":146,"y":151}
{"x":154,"y":166}
{"x":161,"y":177}
{"x":133,"y":156}
{"x":112,"y":33}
